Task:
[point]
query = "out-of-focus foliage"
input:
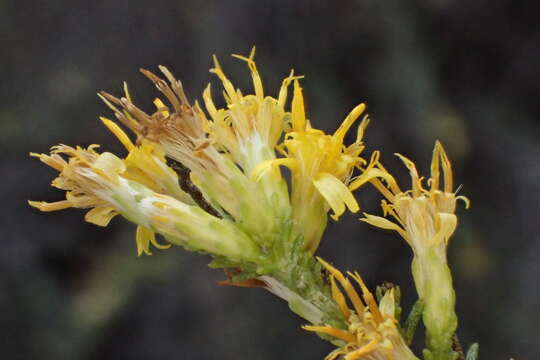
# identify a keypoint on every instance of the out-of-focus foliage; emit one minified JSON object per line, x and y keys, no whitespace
{"x":463,"y":72}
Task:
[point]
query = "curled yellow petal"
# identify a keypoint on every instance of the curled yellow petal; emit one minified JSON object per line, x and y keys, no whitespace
{"x":416,"y":186}
{"x":157,"y":245}
{"x":336,"y":194}
{"x":364,"y":350}
{"x":465,"y":200}
{"x":349,"y":121}
{"x":385,"y":224}
{"x":370,"y":175}
{"x":257,"y":82}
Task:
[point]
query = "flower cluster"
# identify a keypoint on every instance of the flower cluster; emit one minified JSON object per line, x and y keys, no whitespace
{"x":231,"y":158}
{"x":210,"y":180}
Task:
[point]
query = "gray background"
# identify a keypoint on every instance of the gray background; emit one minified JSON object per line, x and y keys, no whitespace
{"x":464,"y":72}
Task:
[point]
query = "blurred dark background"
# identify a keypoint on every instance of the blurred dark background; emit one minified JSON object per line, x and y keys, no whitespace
{"x":464,"y":72}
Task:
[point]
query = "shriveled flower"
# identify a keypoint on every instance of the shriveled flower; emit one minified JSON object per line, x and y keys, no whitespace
{"x":372,"y":332}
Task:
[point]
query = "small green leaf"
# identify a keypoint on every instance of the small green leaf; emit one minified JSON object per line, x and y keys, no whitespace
{"x":472,"y":353}
{"x":409,"y":328}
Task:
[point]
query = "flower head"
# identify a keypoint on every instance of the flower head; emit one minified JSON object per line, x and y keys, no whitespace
{"x":110,"y":186}
{"x":322,"y":168}
{"x":372,"y":332}
{"x":88,"y":179}
{"x":426,"y":219}
{"x":423,"y":217}
{"x":250,"y":126}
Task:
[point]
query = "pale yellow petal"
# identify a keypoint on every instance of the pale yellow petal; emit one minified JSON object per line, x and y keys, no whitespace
{"x":415,"y":179}
{"x":268,"y":165}
{"x":364,"y":350}
{"x":387,"y":305}
{"x":109,"y":164}
{"x":385,"y":224}
{"x":100,"y":215}
{"x":282,"y":97}
{"x":447,"y":226}
{"x":370,"y":175}
{"x":143,"y":238}
{"x":208,"y":102}
{"x":336,"y":194}
{"x":362,"y":129}
{"x":50,"y":206}
{"x":55,"y":161}
{"x":257,"y":82}
{"x":230,"y":94}
{"x":434,"y":181}
{"x":446,"y":166}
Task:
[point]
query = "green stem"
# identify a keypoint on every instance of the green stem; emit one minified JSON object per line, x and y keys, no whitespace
{"x":433,"y":281}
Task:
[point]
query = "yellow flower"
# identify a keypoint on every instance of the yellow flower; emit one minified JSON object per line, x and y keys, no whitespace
{"x":424,"y":218}
{"x":221,"y":151}
{"x":248,"y":129}
{"x":322,"y":168}
{"x":251,"y":125}
{"x":87,"y":179}
{"x":104,"y":183}
{"x":372,"y":332}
